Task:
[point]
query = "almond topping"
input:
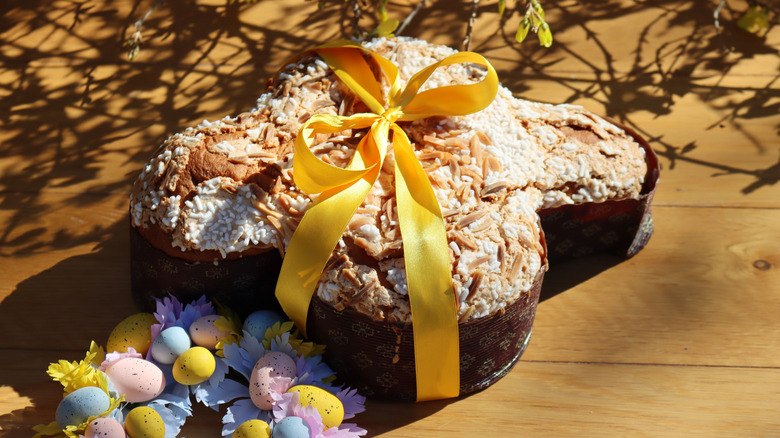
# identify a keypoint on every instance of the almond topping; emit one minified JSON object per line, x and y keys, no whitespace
{"x":462,"y":240}
{"x":467,"y":314}
{"x":471,"y":218}
{"x":476,"y":281}
{"x":351,"y":277}
{"x":478,"y":261}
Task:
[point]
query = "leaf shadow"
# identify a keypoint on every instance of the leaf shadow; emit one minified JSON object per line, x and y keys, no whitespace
{"x":75,"y":125}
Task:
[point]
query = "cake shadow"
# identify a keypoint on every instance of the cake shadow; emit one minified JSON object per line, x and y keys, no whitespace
{"x":378,"y":412}
{"x":564,"y":275}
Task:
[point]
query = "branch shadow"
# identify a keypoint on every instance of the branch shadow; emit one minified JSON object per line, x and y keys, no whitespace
{"x":76,"y":125}
{"x":660,"y":73}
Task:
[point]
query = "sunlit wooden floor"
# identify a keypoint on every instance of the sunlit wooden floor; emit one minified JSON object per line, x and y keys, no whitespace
{"x":681,"y":340}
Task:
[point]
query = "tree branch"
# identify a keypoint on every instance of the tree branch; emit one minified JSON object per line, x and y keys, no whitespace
{"x":716,"y":17}
{"x":134,"y":42}
{"x":356,"y":17}
{"x":410,"y":17}
{"x":470,"y":28}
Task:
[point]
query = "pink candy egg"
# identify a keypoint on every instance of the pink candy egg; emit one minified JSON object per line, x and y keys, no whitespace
{"x":139,"y":380}
{"x":204,"y":333}
{"x":273,"y":364}
{"x":105,"y":427}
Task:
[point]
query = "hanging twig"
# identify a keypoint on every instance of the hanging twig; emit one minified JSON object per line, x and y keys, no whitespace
{"x":134,"y":42}
{"x":409,"y":17}
{"x":470,"y":28}
{"x":356,"y":17}
{"x":716,"y":17}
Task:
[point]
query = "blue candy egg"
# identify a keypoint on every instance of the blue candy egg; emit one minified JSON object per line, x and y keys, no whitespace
{"x":258,"y":322}
{"x":291,"y":427}
{"x":79,"y":405}
{"x":170,"y":344}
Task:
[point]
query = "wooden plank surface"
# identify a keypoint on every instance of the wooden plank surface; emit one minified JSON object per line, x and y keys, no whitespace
{"x":680,"y":340}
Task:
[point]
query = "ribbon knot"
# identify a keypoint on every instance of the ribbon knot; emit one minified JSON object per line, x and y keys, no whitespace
{"x":342,"y":191}
{"x":392,"y":114}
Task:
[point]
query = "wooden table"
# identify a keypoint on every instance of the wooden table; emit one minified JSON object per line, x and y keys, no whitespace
{"x":681,"y":340}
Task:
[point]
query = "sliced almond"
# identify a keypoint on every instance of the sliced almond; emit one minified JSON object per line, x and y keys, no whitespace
{"x":465,"y":221}
{"x":478,"y":261}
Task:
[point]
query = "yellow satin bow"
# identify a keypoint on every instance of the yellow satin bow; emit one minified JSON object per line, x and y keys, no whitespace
{"x":343,"y":190}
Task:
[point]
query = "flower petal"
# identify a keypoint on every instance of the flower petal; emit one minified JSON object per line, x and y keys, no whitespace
{"x":241,"y":411}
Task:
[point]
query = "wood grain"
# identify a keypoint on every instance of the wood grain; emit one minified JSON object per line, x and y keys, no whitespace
{"x":680,"y":340}
{"x":699,"y":294}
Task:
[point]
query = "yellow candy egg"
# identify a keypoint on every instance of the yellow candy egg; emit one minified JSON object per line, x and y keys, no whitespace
{"x":328,"y":405}
{"x":194,"y":366}
{"x":134,"y":331}
{"x":144,"y":422}
{"x":253,"y":429}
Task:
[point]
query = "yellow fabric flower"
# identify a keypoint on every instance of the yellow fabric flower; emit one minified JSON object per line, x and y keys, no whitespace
{"x":97,"y":352}
{"x":50,"y":429}
{"x":227,"y":323}
{"x":75,"y":375}
{"x":306,"y":349}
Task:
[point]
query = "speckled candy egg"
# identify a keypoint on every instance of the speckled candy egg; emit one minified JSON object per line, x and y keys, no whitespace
{"x":105,"y":427}
{"x":258,"y":322}
{"x":253,"y":429}
{"x":272,"y":364}
{"x":194,"y":366}
{"x":134,"y":331}
{"x":204,"y":333}
{"x":144,"y":422}
{"x":291,"y":427}
{"x":170,"y":344}
{"x":76,"y":407}
{"x":328,"y":405}
{"x":139,"y":380}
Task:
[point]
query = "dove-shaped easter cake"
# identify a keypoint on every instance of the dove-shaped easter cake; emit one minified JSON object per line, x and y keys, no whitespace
{"x":216,"y":207}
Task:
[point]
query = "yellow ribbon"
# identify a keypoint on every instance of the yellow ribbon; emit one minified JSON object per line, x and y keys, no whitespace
{"x":343,"y":190}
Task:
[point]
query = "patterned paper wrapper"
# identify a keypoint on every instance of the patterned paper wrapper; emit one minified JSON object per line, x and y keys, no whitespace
{"x":377,"y":358}
{"x":243,"y":285}
{"x":619,"y":227}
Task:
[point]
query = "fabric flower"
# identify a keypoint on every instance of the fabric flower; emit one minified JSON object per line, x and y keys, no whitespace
{"x":285,"y":329}
{"x":228,"y":324}
{"x":289,"y":405}
{"x":239,"y":351}
{"x":170,"y":312}
{"x":310,"y":370}
{"x":75,"y":375}
{"x":112,"y":358}
{"x":174,"y":406}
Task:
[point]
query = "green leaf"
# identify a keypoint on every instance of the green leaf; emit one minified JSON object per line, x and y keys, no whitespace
{"x":386,"y":28}
{"x":522,"y":30}
{"x":545,"y":36}
{"x":383,"y":11}
{"x":501,"y":7}
{"x":538,"y":9}
{"x":755,"y":20}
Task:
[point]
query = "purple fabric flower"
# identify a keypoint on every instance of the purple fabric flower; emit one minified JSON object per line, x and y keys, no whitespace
{"x":170,"y":312}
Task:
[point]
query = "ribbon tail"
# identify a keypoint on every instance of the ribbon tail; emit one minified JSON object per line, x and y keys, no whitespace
{"x":321,"y":228}
{"x":428,"y":276}
{"x":311,"y":246}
